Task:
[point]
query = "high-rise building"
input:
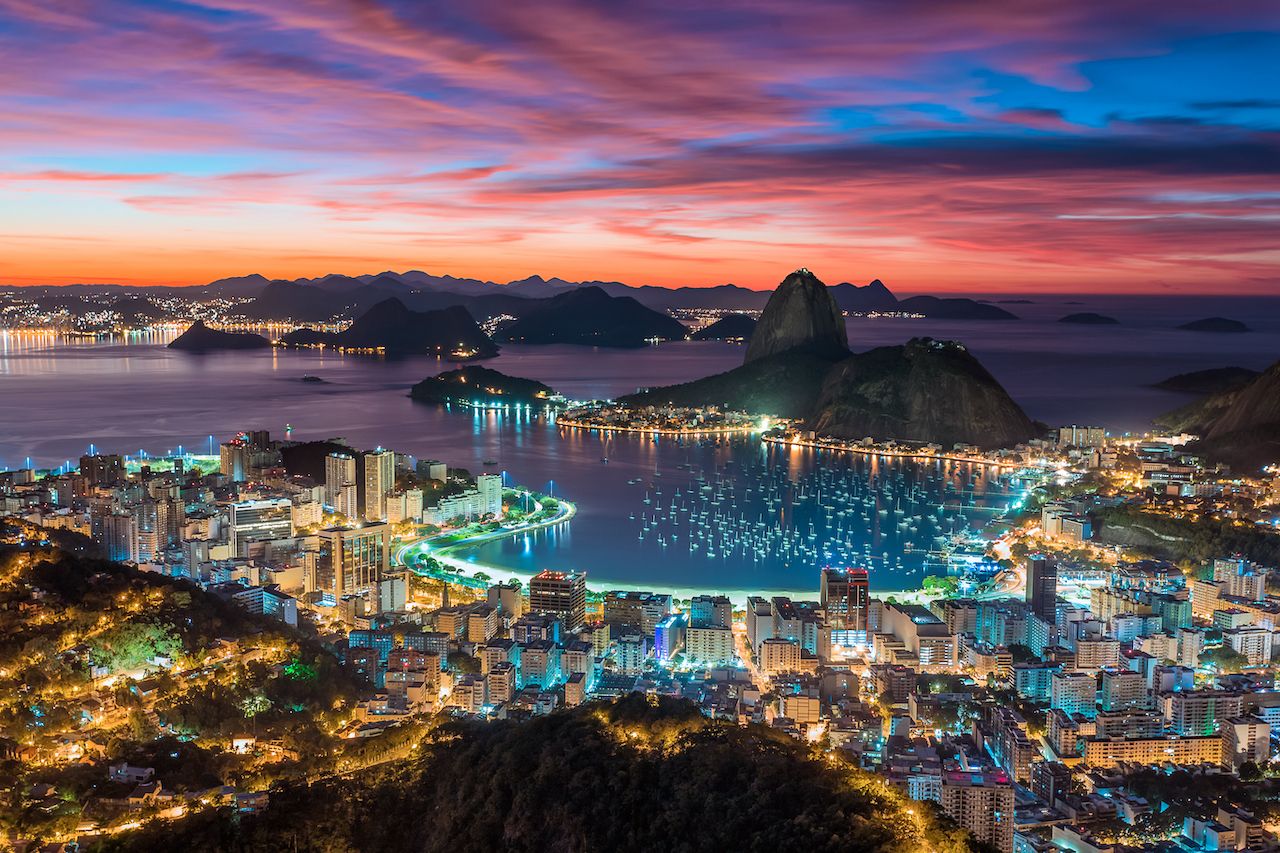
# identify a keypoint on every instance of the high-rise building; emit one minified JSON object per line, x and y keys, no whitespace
{"x":348,"y":503}
{"x":235,"y":459}
{"x":1042,"y":586}
{"x":120,"y":537}
{"x":562,"y":594}
{"x":981,"y":802}
{"x":270,"y":518}
{"x":379,"y":478}
{"x":1200,"y":712}
{"x":102,"y":469}
{"x":339,"y":469}
{"x":710,"y":611}
{"x":844,"y":594}
{"x":352,"y":560}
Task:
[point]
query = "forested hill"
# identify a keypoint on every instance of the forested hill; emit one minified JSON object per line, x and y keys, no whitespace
{"x":639,"y":774}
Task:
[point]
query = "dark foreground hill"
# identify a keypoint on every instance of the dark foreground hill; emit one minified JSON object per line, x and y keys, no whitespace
{"x":200,"y":338}
{"x":634,"y":775}
{"x":589,"y":316}
{"x":391,"y":327}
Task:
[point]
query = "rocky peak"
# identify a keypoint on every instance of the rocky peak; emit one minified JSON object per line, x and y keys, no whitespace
{"x":800,"y":315}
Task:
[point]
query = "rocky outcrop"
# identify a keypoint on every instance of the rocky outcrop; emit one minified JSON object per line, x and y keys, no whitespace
{"x":801,"y":315}
{"x":200,"y":338}
{"x":924,"y":390}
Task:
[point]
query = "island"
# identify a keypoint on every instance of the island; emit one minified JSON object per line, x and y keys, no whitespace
{"x":1220,"y":325}
{"x":1211,"y":381}
{"x":482,"y":387}
{"x":201,"y":338}
{"x":1088,"y":318}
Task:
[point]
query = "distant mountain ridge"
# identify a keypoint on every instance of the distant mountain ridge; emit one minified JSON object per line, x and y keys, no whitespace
{"x":422,"y":290}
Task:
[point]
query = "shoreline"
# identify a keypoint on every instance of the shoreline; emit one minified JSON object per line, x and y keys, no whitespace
{"x":449,"y":555}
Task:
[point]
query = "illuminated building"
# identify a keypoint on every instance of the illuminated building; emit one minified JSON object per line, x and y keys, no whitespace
{"x":635,"y":609}
{"x":507,"y":599}
{"x":981,"y":802}
{"x":235,"y":459}
{"x":630,"y":654}
{"x":1042,"y":586}
{"x":256,"y":520}
{"x":669,"y":637}
{"x":120,"y":537}
{"x":922,"y":634}
{"x":348,"y":503}
{"x":1074,"y":693}
{"x":353,"y":559}
{"x":562,"y":594}
{"x":710,"y":611}
{"x":1166,"y":749}
{"x":1122,"y":689}
{"x":844,"y":596}
{"x":709,"y":646}
{"x":1245,"y":739}
{"x":471,"y":504}
{"x":379,"y":479}
{"x":779,"y":655}
{"x":102,"y":469}
{"x":339,"y":469}
{"x":1198,"y":712}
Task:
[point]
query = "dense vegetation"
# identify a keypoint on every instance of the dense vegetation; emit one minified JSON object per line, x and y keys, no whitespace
{"x":1187,"y":538}
{"x":639,"y":774}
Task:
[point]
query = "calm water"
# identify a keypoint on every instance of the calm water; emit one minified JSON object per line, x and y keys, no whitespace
{"x":57,"y":398}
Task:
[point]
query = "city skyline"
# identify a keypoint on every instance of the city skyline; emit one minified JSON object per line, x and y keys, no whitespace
{"x":966,"y":148}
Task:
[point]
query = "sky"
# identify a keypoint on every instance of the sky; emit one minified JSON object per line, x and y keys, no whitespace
{"x":1116,"y":147}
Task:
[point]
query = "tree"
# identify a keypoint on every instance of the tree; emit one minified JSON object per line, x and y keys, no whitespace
{"x":132,"y":644}
{"x":1224,"y":659}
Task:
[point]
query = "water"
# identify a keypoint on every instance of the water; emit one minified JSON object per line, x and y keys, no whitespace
{"x":130,"y":394}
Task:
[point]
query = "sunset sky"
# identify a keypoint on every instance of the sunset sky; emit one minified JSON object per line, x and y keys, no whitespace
{"x":940,"y":146}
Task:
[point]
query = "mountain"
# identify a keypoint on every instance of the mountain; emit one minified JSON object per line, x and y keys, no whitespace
{"x":133,"y":309}
{"x":798,"y":366}
{"x":474,"y":384}
{"x":1220,"y":325}
{"x":589,"y":316}
{"x":731,"y":327}
{"x":244,"y":285}
{"x":801,"y":315}
{"x":953,"y":309}
{"x":393,"y":328}
{"x":1088,"y":318}
{"x":924,"y":390}
{"x":301,"y":303}
{"x":865,"y":299}
{"x":637,"y":774}
{"x":1239,"y":426}
{"x":200,"y":338}
{"x":1209,"y":381}
{"x":783,"y":385}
